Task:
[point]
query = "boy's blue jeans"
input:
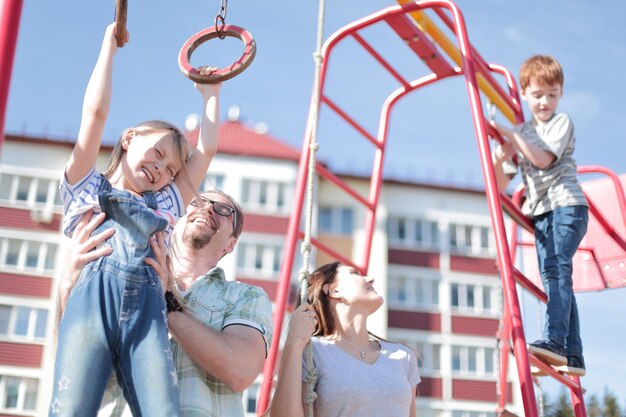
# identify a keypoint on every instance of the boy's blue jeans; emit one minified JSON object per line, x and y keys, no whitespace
{"x":115,"y":319}
{"x":557,"y":236}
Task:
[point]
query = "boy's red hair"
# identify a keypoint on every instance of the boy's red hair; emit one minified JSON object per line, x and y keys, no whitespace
{"x":544,"y":69}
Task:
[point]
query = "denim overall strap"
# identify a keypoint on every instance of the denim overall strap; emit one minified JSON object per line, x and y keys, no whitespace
{"x":105,"y":186}
{"x":134,"y":219}
{"x":150,"y":199}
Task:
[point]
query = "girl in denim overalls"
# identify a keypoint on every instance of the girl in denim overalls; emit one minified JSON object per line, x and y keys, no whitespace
{"x":115,"y":317}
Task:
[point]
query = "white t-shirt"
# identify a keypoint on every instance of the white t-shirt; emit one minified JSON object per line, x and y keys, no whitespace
{"x":348,"y":387}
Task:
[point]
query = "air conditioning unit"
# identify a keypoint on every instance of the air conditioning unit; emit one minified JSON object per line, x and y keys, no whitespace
{"x":41,"y":216}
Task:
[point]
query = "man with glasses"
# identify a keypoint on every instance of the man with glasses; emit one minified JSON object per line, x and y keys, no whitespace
{"x":221,"y":332}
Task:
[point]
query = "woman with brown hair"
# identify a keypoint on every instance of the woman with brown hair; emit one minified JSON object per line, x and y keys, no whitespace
{"x":358,"y":374}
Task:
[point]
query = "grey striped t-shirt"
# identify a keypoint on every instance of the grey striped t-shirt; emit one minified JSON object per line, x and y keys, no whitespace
{"x":556,"y":185}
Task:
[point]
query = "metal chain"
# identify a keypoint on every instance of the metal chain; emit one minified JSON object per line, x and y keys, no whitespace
{"x":221,"y":18}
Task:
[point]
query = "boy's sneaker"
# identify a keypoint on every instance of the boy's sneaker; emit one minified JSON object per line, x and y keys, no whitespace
{"x":548,"y":351}
{"x":575,"y":366}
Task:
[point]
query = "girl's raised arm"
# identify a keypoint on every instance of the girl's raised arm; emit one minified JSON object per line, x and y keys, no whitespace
{"x":198,"y":163}
{"x":95,"y":111}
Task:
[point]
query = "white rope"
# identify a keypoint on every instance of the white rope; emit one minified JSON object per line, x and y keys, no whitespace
{"x":304,"y":273}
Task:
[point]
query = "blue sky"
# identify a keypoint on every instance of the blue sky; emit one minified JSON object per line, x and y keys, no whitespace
{"x":431,"y":133}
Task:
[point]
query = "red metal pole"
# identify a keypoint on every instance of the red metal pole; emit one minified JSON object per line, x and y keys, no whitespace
{"x":578,"y":400}
{"x":284,"y":281}
{"x":505,"y":349}
{"x":9,"y":27}
{"x":495,"y":208}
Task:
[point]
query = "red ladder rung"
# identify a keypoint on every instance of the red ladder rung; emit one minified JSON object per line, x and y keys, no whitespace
{"x":515,"y":213}
{"x":381,"y":60}
{"x":329,"y":251}
{"x":529,"y":285}
{"x":351,"y":121}
{"x":323,"y":171}
{"x":535,"y":361}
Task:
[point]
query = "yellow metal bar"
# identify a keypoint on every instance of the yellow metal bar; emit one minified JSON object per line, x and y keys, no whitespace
{"x":426,"y":25}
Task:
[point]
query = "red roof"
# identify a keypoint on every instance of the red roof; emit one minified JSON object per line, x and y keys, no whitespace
{"x":237,"y":139}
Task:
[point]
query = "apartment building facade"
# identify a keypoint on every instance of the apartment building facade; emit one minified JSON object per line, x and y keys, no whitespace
{"x":433,"y":257}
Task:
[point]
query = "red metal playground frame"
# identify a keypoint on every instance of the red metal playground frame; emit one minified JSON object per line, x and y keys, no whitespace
{"x":10,"y":12}
{"x":477,"y":73}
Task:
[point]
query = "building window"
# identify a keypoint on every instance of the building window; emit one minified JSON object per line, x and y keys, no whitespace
{"x":484,"y":238}
{"x":434,"y":233}
{"x":469,"y":298}
{"x":487,"y":294}
{"x":23,"y":322}
{"x":427,"y":293}
{"x":453,"y":237}
{"x":471,"y":239}
{"x":29,"y":191}
{"x":259,"y":258}
{"x":490,"y":360}
{"x":420,"y":233}
{"x":473,"y":361}
{"x":456,"y":359}
{"x":469,"y":293}
{"x":454,"y":295}
{"x":280,"y":195}
{"x":18,"y":394}
{"x":396,"y":229}
{"x":336,"y":220}
{"x":213,"y":182}
{"x":397,"y":290}
{"x":262,"y":199}
{"x":265,"y":195}
{"x":428,"y":357}
{"x":436,"y":361}
{"x":27,"y":255}
{"x":413,"y":291}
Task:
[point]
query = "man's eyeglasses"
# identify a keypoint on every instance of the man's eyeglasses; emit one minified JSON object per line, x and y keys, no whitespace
{"x":220,"y":208}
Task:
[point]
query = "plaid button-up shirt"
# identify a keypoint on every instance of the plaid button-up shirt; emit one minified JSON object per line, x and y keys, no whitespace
{"x":217,"y":303}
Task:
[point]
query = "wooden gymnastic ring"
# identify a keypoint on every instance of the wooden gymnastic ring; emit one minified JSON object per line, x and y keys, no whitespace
{"x":121,"y":6}
{"x":219,"y":74}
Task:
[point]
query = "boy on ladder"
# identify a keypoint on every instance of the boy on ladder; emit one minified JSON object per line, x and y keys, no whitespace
{"x":555,"y":202}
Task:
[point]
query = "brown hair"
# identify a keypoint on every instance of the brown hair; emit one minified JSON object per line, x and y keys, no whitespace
{"x":544,"y":69}
{"x":180,"y":145}
{"x":319,"y":299}
{"x":238,"y":223}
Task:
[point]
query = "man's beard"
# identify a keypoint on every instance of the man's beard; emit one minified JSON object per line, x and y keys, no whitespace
{"x":196,"y":239}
